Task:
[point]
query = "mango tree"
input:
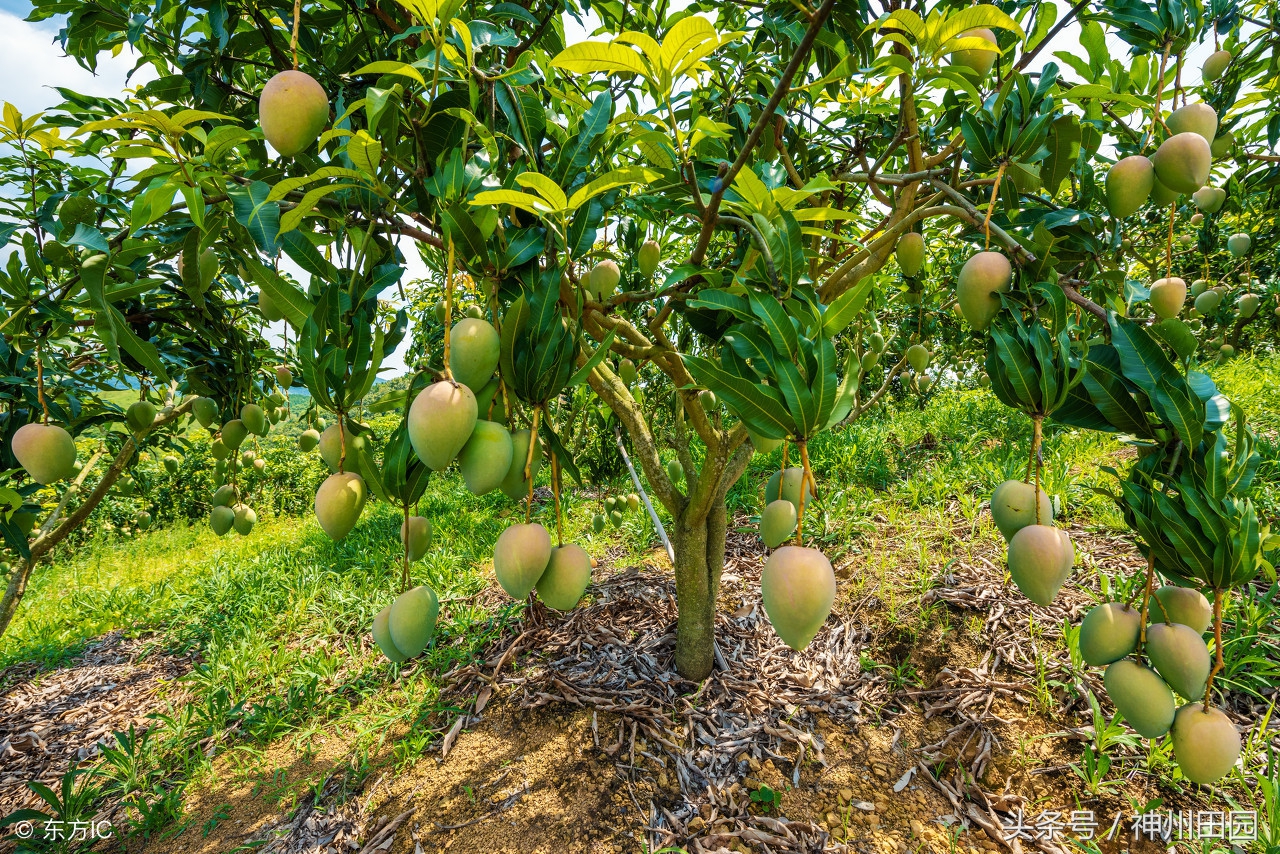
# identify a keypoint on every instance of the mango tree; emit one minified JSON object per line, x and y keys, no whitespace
{"x":98,"y":305}
{"x":699,"y":208}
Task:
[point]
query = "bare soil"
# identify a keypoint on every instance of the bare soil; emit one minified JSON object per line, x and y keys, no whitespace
{"x":921,"y":726}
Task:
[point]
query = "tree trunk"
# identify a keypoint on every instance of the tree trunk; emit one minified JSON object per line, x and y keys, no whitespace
{"x":699,"y":548}
{"x":13,"y":593}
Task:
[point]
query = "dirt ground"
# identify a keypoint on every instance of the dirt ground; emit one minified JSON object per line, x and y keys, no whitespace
{"x":578,"y":737}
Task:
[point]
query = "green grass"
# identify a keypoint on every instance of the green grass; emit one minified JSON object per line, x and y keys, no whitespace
{"x":279,"y":620}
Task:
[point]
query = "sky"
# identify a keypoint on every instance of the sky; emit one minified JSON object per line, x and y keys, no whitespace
{"x":31,"y":63}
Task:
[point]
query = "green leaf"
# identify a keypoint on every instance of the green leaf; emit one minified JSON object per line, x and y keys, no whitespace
{"x":524,"y":201}
{"x":1175,"y":333}
{"x":1107,"y":391}
{"x":306,"y":205}
{"x":800,"y":402}
{"x":465,"y":234}
{"x":719,"y":300}
{"x":600,"y":57}
{"x":1141,"y":359}
{"x":390,"y":67}
{"x":777,"y":325}
{"x":1064,"y":150}
{"x":545,"y":187}
{"x":1175,"y":404}
{"x":255,"y":213}
{"x":580,"y":376}
{"x":291,"y":302}
{"x":760,"y":406}
{"x":617,"y":178}
{"x":845,"y":308}
{"x":89,"y":237}
{"x":1181,"y":530}
{"x":979,"y":144}
{"x":825,"y":384}
{"x":1020,"y":371}
{"x":143,"y":352}
{"x":513,"y":321}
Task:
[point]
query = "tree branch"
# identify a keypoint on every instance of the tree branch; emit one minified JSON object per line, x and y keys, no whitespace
{"x":47,"y":539}
{"x":766,"y":117}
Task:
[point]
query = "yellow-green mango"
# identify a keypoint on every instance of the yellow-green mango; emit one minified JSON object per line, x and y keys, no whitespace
{"x":440,"y":423}
{"x":790,"y":486}
{"x":648,"y":257}
{"x":1206,"y":744}
{"x":1129,"y":184}
{"x":292,"y":110}
{"x":1183,"y":162}
{"x":308,"y":440}
{"x":140,"y":415}
{"x":411,"y":622}
{"x":1162,"y":196}
{"x":777,"y":522}
{"x":46,"y":451}
{"x":1013,"y":507}
{"x":910,"y":253}
{"x":1209,"y":199}
{"x":1167,"y":296}
{"x":520,"y":556}
{"x":254,"y":418}
{"x":978,"y":59}
{"x":1109,"y":632}
{"x":1181,"y":605}
{"x":234,"y":433}
{"x":1215,"y":65}
{"x":486,"y":458}
{"x":1040,"y":560}
{"x":982,"y":279}
{"x":1194,"y":118}
{"x":243,"y":519}
{"x":515,"y":486}
{"x":918,"y":357}
{"x":382,"y":637}
{"x":205,"y":409}
{"x":474,"y":347}
{"x":221,"y":518}
{"x":339,"y":502}
{"x":1141,"y":696}
{"x":565,"y":578}
{"x":415,"y":536}
{"x":1180,"y":655}
{"x":797,"y":587}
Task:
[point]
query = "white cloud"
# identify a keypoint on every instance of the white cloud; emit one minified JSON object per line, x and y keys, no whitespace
{"x":32,"y":63}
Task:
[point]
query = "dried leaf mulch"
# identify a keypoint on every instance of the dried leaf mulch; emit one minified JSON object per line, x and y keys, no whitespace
{"x":54,"y":720}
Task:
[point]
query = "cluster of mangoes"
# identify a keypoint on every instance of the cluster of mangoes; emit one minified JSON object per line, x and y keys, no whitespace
{"x":524,"y":560}
{"x":1205,"y":742}
{"x":1181,"y":165}
{"x":797,"y":584}
{"x":227,"y":448}
{"x":918,"y":357}
{"x":403,"y":629}
{"x":1040,"y":555}
{"x":874,"y":346}
{"x":601,"y":282}
{"x":614,"y":509}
